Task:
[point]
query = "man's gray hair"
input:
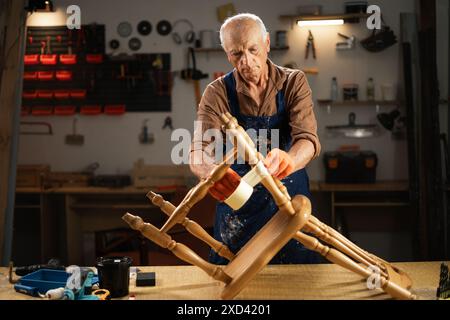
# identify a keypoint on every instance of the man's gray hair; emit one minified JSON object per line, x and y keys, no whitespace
{"x":243,"y":17}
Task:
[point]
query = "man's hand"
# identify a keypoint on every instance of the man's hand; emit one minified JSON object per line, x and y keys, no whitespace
{"x":223,"y":188}
{"x":279,"y":163}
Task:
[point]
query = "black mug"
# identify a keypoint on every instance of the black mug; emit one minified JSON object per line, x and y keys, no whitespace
{"x":114,"y":275}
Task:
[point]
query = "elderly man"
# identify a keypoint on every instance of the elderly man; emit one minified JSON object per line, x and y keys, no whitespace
{"x":261,"y":95}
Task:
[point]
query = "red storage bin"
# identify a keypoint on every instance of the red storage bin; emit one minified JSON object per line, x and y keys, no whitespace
{"x":68,"y":58}
{"x":91,"y":110}
{"x":78,"y":94}
{"x":45,"y":75}
{"x":48,"y":59}
{"x":31,"y":59}
{"x":115,"y":109}
{"x":24,"y":111}
{"x":41,"y":110}
{"x":30,"y":75}
{"x":64,"y":75}
{"x":94,"y":58}
{"x":65,"y":110}
{"x":29,"y":94}
{"x":45,"y":94}
{"x":61,"y":94}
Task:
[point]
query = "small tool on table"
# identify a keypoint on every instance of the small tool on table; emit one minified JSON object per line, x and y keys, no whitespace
{"x":102,"y":294}
{"x":310,"y":45}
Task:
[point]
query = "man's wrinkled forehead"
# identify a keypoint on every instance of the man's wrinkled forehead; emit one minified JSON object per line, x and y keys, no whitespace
{"x":241,"y":34}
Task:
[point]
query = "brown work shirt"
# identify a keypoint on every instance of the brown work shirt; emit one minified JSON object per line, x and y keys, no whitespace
{"x":298,"y":102}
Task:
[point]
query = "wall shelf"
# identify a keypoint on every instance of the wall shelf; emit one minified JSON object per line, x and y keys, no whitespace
{"x":221,"y":50}
{"x":350,"y":103}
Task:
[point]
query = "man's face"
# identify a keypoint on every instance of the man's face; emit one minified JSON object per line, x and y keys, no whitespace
{"x":246,"y":49}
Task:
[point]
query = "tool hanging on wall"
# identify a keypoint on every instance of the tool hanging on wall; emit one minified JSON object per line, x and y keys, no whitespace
{"x":193,"y":74}
{"x":145,"y":137}
{"x":188,"y":37}
{"x":162,"y":79}
{"x":168,"y":123}
{"x":353,"y":130}
{"x":114,"y":44}
{"x":310,"y":45}
{"x":144,"y":27}
{"x":379,"y":40}
{"x":74,"y":139}
{"x":69,"y":41}
{"x":348,"y":44}
{"x":164,"y":27}
{"x":134,"y":44}
{"x":24,"y":124}
{"x":43,"y":44}
{"x":124,"y":29}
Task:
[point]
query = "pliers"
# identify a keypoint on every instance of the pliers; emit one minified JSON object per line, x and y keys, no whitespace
{"x":310,"y":45}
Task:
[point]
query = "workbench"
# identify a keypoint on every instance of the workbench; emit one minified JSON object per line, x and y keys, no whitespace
{"x":77,"y":212}
{"x":274,"y":282}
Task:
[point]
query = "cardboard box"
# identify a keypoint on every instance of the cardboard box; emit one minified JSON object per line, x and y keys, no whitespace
{"x":31,"y":175}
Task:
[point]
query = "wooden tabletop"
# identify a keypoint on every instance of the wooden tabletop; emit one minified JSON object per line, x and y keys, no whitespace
{"x":286,"y":282}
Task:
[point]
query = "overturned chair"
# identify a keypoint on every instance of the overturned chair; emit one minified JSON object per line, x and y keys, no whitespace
{"x":293,"y":220}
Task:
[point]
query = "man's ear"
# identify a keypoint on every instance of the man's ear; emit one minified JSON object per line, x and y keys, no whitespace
{"x":229,"y":57}
{"x":268,"y":42}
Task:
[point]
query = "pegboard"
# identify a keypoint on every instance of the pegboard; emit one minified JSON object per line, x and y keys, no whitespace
{"x":67,"y":72}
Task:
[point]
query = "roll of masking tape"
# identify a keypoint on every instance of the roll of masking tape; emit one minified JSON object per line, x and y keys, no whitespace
{"x":240,"y":195}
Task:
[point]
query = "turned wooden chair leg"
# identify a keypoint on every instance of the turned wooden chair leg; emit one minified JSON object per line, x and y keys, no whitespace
{"x":333,"y":234}
{"x":198,"y":192}
{"x":180,"y":250}
{"x":327,"y":238}
{"x":191,"y":226}
{"x":339,"y":258}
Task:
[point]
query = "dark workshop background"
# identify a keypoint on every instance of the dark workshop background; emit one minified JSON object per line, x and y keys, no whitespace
{"x":404,"y":218}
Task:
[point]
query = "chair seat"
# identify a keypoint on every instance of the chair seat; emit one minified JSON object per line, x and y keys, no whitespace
{"x":258,"y":252}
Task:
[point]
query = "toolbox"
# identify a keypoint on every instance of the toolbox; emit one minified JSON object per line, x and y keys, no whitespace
{"x":350,"y":166}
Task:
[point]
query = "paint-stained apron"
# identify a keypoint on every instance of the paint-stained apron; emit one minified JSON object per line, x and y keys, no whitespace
{"x":236,"y":228}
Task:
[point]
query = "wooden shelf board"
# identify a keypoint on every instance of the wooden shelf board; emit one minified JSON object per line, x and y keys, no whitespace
{"x":325,"y":102}
{"x":221,"y":50}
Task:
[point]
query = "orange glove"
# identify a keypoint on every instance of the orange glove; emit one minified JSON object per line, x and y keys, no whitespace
{"x":279,"y":163}
{"x":223,"y":188}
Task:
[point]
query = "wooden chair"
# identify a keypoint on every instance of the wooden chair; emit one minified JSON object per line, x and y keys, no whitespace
{"x":293,"y":220}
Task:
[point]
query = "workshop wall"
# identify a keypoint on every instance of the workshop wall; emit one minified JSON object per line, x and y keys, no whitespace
{"x":113,"y":141}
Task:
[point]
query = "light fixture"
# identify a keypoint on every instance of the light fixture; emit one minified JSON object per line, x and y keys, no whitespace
{"x":319,"y":22}
{"x":40,"y":6}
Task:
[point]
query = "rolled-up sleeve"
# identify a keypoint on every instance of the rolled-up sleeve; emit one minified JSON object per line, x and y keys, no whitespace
{"x":301,"y":110}
{"x":212,"y":104}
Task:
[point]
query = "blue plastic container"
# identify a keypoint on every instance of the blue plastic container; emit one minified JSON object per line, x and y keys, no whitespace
{"x":44,"y":280}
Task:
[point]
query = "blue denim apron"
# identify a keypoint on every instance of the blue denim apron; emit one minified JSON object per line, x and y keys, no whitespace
{"x":236,"y":228}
